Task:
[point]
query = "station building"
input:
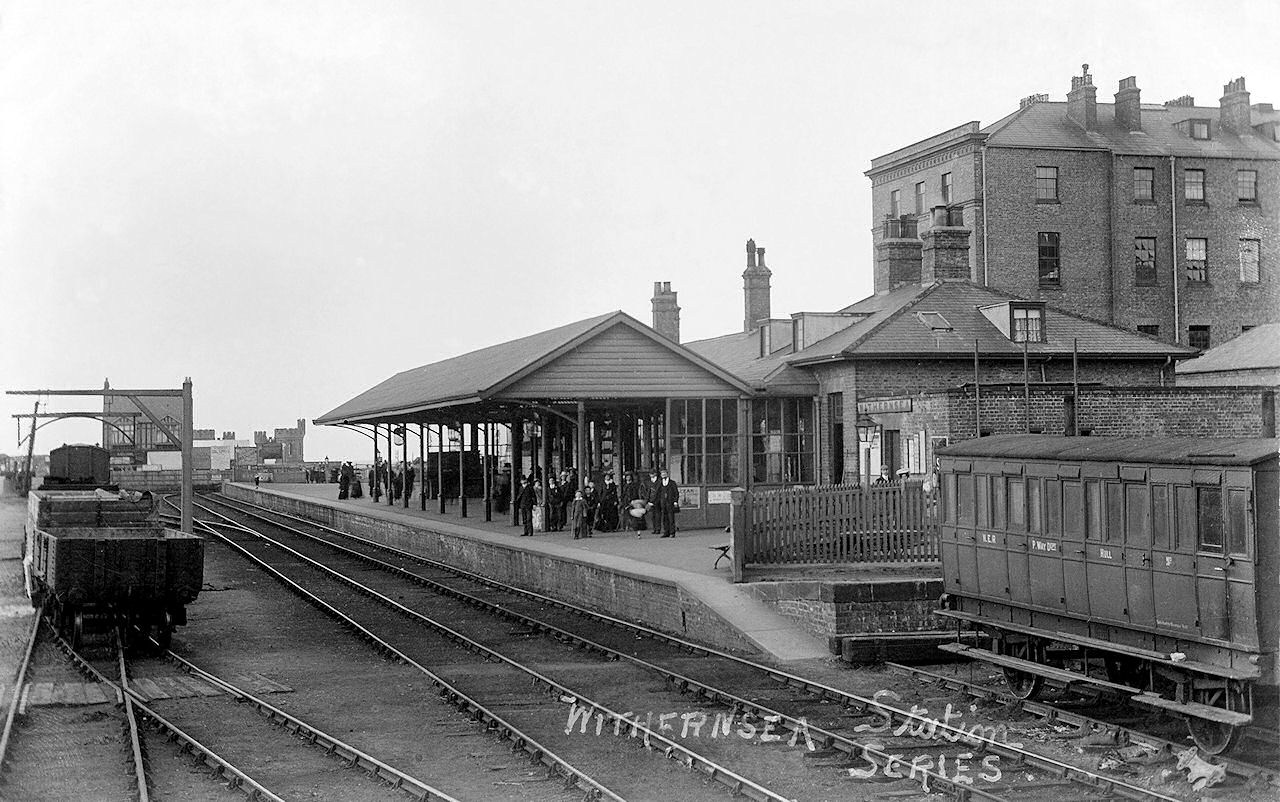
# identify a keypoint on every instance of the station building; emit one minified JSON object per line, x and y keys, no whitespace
{"x":1159,"y":218}
{"x":818,"y":398}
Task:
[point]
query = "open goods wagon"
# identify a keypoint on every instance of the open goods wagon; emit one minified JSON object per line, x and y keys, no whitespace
{"x":95,"y":559}
{"x":78,"y":467}
{"x":1147,"y":566}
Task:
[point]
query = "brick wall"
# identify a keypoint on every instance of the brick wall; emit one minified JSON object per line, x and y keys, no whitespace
{"x":828,"y":609}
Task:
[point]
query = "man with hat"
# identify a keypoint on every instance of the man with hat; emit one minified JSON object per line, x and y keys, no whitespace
{"x":666,"y":503}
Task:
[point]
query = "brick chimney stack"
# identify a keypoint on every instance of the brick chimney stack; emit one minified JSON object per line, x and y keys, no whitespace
{"x":1128,"y":105}
{"x":1233,"y":109}
{"x":666,"y":312}
{"x":755,"y":288}
{"x":945,"y":250}
{"x":1082,"y":100}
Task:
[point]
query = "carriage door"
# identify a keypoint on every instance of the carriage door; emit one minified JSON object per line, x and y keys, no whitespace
{"x":1104,"y":550}
{"x":1173,"y":549}
{"x":1224,"y":565}
{"x":1073,"y":528}
{"x":957,"y":538}
{"x":1137,"y":547}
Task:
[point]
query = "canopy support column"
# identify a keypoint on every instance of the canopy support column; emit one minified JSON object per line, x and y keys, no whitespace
{"x":517,"y":468}
{"x":422,"y":467}
{"x":581,"y":436}
{"x":391,"y":454}
{"x":440,"y":468}
{"x":488,"y":473}
{"x":462,"y":473}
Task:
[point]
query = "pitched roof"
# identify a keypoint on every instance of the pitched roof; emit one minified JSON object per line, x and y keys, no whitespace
{"x":1046,"y":125}
{"x":895,"y":330}
{"x":1258,"y":348}
{"x":479,"y":375}
{"x":739,"y":353}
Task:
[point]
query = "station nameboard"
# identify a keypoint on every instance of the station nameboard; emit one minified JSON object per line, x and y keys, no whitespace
{"x":884,"y":405}
{"x":719,"y":496}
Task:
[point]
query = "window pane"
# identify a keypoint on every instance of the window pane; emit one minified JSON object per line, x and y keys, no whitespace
{"x":998,"y":496}
{"x":895,"y":203}
{"x":1198,"y":337}
{"x":1143,"y":183}
{"x":1144,"y":261}
{"x":949,"y":498}
{"x":1186,"y":520}
{"x":1049,"y":255}
{"x":1046,"y":183}
{"x":946,"y":188}
{"x":1197,"y":259}
{"x":983,"y":498}
{"x":1193,"y":181}
{"x":1052,"y":507}
{"x":1238,"y":521}
{"x":1137,"y":515}
{"x":1093,"y":502}
{"x":1073,"y":509}
{"x":1250,"y":249}
{"x":964,"y":500}
{"x":1160,"y":516}
{"x":920,"y":197}
{"x":1114,"y":531}
{"x":1209,"y":518}
{"x":712,"y":422}
{"x":1017,"y":505}
{"x":1035,"y":510}
{"x":1247,"y":185}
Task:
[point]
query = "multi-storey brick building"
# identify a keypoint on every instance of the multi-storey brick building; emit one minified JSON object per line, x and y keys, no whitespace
{"x":1163,"y":219}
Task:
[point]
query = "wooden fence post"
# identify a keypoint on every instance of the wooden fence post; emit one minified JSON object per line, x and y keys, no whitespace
{"x":739,"y":524}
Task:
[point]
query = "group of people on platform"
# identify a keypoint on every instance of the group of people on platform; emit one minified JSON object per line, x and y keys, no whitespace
{"x":382,"y":477}
{"x":603,"y":508}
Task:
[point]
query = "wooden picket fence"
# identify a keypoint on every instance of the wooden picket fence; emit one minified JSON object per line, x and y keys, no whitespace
{"x":843,"y":524}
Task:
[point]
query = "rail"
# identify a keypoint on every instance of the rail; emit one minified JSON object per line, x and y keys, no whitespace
{"x":842,"y":524}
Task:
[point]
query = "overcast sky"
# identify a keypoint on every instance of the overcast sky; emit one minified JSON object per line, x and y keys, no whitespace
{"x":290,"y":202}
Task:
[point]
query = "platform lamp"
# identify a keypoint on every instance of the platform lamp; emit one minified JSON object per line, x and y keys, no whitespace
{"x":867,"y":429}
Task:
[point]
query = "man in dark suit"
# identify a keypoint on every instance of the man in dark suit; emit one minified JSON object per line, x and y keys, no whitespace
{"x":525,"y":501}
{"x":666,"y":503}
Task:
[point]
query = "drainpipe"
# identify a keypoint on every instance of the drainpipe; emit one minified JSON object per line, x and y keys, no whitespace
{"x":1173,"y":231}
{"x":985,"y":274}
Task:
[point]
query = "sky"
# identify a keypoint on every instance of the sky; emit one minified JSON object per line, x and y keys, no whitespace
{"x":292,"y":201}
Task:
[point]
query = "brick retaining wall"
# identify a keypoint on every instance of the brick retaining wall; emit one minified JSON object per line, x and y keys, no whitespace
{"x":652,"y":602}
{"x":828,"y":609}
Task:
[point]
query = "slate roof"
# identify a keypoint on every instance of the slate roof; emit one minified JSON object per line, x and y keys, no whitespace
{"x":479,"y":374}
{"x":895,"y":330}
{"x":1046,"y":125}
{"x":1258,"y":348}
{"x":739,"y":352}
{"x":1160,"y":450}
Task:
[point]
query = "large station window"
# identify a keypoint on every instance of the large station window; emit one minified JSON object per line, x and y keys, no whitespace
{"x":703,"y":441}
{"x":782,"y":440}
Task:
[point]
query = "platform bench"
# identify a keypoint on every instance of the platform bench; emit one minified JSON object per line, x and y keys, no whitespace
{"x":723,"y":548}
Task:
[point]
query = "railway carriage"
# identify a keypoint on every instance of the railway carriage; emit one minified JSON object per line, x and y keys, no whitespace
{"x":1146,"y":566}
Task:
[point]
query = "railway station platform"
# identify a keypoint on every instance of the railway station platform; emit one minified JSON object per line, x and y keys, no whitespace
{"x":671,"y":584}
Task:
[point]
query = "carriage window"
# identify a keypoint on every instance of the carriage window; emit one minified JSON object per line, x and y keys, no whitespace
{"x":1093,"y":502}
{"x":1238,"y":521}
{"x":949,"y":498}
{"x":1035,"y":512}
{"x":997,"y":502}
{"x":1185,"y":497}
{"x":964,"y":500}
{"x":1209,"y":518}
{"x":1160,"y":515}
{"x":1114,"y":527}
{"x":984,"y":500}
{"x":1053,"y":507}
{"x":1137,"y":511}
{"x":1073,"y":509}
{"x":1017,"y":505}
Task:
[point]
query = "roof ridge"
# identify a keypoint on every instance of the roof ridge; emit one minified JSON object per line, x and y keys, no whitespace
{"x":925,"y":292}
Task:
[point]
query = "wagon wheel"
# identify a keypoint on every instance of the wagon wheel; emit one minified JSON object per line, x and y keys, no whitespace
{"x":1022,"y":684}
{"x":162,"y":630}
{"x":1215,"y":738}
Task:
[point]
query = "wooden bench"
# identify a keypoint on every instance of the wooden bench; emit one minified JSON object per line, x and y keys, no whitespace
{"x":723,"y":555}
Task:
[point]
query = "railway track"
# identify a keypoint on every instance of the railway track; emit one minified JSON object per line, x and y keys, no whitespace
{"x":903,"y":747}
{"x":77,"y":716}
{"x":1256,"y":769}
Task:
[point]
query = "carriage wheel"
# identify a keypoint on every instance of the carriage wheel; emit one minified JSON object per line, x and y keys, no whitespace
{"x":1215,"y":738}
{"x":1022,"y":684}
